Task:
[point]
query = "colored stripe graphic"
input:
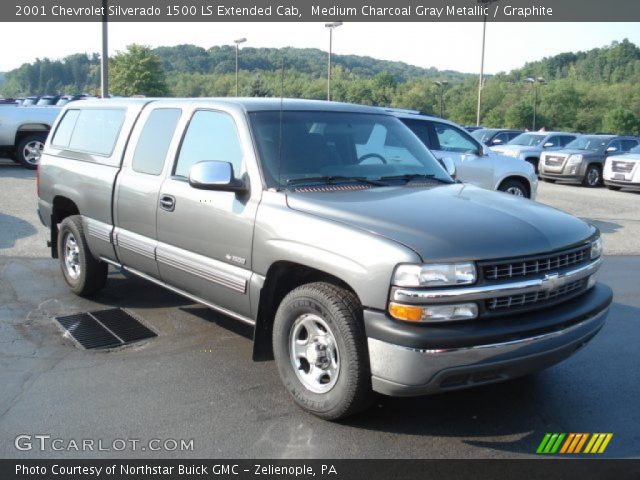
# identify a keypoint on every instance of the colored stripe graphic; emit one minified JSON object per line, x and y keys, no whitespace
{"x":572,"y":443}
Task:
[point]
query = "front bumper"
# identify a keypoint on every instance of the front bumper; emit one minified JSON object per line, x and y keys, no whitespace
{"x":408,"y":360}
{"x":622,"y":184}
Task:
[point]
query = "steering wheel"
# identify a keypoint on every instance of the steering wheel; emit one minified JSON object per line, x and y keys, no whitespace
{"x":372,"y":155}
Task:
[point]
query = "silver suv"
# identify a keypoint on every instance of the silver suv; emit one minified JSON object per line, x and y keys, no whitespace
{"x":529,"y":146}
{"x":474,"y":162}
{"x":358,"y":273}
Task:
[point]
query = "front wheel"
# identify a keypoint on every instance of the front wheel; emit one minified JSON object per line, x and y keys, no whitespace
{"x":83,"y":273}
{"x":320,"y":349}
{"x":514,"y":187}
{"x":29,"y":150}
{"x":593,"y":176}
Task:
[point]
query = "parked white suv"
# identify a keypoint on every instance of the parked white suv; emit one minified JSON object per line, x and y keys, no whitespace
{"x":475,"y":163}
{"x":623,"y":171}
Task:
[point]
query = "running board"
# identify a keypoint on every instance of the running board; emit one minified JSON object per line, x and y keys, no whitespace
{"x":193,"y":298}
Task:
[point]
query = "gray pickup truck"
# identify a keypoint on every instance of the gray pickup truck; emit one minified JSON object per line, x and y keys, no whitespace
{"x":358,"y":276}
{"x":23,"y":131}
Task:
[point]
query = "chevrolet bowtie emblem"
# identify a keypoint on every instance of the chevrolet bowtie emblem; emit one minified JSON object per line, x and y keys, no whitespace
{"x":551,"y":281}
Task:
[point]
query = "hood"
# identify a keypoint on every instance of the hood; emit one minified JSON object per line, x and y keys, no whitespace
{"x":449,"y":222}
{"x":627,"y":157}
{"x":574,"y":151}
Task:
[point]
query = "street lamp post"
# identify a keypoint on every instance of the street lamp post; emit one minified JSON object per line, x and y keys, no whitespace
{"x":238,"y":42}
{"x":330,"y":26}
{"x":104,"y":59}
{"x":481,"y":80}
{"x":535,"y":82}
{"x":442,"y":84}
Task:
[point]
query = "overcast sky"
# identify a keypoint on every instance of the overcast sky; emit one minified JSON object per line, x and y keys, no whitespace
{"x":453,"y":46}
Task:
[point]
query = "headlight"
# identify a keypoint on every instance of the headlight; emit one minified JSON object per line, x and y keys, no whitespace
{"x":433,"y":313}
{"x":575,"y":159}
{"x":596,"y":248}
{"x":434,"y":275}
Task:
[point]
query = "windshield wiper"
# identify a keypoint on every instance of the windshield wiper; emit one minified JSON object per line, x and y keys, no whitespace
{"x":335,"y":179}
{"x":409,"y":177}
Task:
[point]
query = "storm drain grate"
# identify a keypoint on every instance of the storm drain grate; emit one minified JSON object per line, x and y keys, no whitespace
{"x":104,"y":328}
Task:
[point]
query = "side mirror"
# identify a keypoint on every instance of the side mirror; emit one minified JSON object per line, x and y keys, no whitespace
{"x":496,"y":141}
{"x":215,"y":175}
{"x":548,"y":144}
{"x":612,"y":149}
{"x":449,"y":166}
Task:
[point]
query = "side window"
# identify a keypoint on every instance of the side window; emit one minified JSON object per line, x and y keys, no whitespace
{"x":96,"y":131}
{"x":502,"y":138}
{"x":62,"y":137}
{"x":628,"y":145}
{"x":154,"y":140}
{"x":210,"y":136}
{"x":453,"y":140}
{"x":564,"y":140}
{"x":512,"y":135}
{"x":423,"y":130}
{"x":553,"y":140}
{"x":615,"y":144}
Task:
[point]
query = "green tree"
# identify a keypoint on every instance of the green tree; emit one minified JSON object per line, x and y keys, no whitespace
{"x":621,"y":121}
{"x":519,"y":115}
{"x":137,"y":71}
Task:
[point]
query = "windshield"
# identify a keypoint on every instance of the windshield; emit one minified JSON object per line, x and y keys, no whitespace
{"x":593,"y":143}
{"x":483,"y":135}
{"x":527,"y":139}
{"x":324,"y":145}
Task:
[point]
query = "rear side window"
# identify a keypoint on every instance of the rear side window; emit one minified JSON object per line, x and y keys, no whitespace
{"x":210,"y":136}
{"x":91,"y":131}
{"x":65,"y":129}
{"x":154,"y":140}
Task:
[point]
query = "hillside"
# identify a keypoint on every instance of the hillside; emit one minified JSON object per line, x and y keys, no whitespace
{"x":585,"y":91}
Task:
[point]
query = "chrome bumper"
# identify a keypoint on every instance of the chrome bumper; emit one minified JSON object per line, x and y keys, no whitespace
{"x":404,"y":371}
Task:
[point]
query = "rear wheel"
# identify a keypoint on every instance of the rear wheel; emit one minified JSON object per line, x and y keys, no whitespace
{"x":593,"y":176}
{"x":30,"y":149}
{"x":83,"y":273}
{"x":320,"y":349}
{"x":514,"y":187}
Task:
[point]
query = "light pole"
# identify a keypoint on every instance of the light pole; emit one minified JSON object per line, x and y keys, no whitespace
{"x":481,"y":81}
{"x":238,"y":42}
{"x":535,"y":82}
{"x":330,"y":26}
{"x":104,"y":59}
{"x":442,"y":84}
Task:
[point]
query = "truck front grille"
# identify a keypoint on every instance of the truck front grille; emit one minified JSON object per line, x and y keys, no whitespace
{"x":622,"y":167}
{"x":554,"y":161}
{"x":529,"y":266}
{"x":536,"y":299}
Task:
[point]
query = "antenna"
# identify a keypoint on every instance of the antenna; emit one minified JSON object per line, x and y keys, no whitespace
{"x":280,"y":120}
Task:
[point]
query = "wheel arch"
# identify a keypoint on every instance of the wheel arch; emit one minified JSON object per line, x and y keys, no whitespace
{"x":518,"y":177}
{"x":62,"y":207}
{"x":282,"y":277}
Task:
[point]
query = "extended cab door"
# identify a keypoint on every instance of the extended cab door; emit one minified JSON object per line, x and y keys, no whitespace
{"x":138,"y":187}
{"x":205,"y":237}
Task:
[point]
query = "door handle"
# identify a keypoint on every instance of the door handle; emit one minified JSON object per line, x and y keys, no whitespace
{"x":168,"y":203}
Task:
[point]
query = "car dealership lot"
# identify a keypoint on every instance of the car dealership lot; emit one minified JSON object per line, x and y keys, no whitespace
{"x":196,"y":380}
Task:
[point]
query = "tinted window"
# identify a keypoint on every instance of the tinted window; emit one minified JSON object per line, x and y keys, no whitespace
{"x":95,"y":131}
{"x":564,"y":140}
{"x":154,"y":140}
{"x":628,"y":145}
{"x":423,"y":130}
{"x":210,"y":136}
{"x":65,"y":128}
{"x":453,"y":140}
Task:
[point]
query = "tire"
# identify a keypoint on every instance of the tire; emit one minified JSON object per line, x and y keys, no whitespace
{"x":515,"y":187}
{"x":83,"y":273}
{"x":593,"y":176}
{"x":548,"y":180}
{"x":614,"y":188}
{"x":342,"y":386}
{"x":29,"y":150}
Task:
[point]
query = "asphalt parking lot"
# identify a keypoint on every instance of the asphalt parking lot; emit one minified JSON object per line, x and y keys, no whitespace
{"x":196,"y":380}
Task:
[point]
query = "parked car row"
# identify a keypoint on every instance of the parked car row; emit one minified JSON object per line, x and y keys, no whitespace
{"x":50,"y":100}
